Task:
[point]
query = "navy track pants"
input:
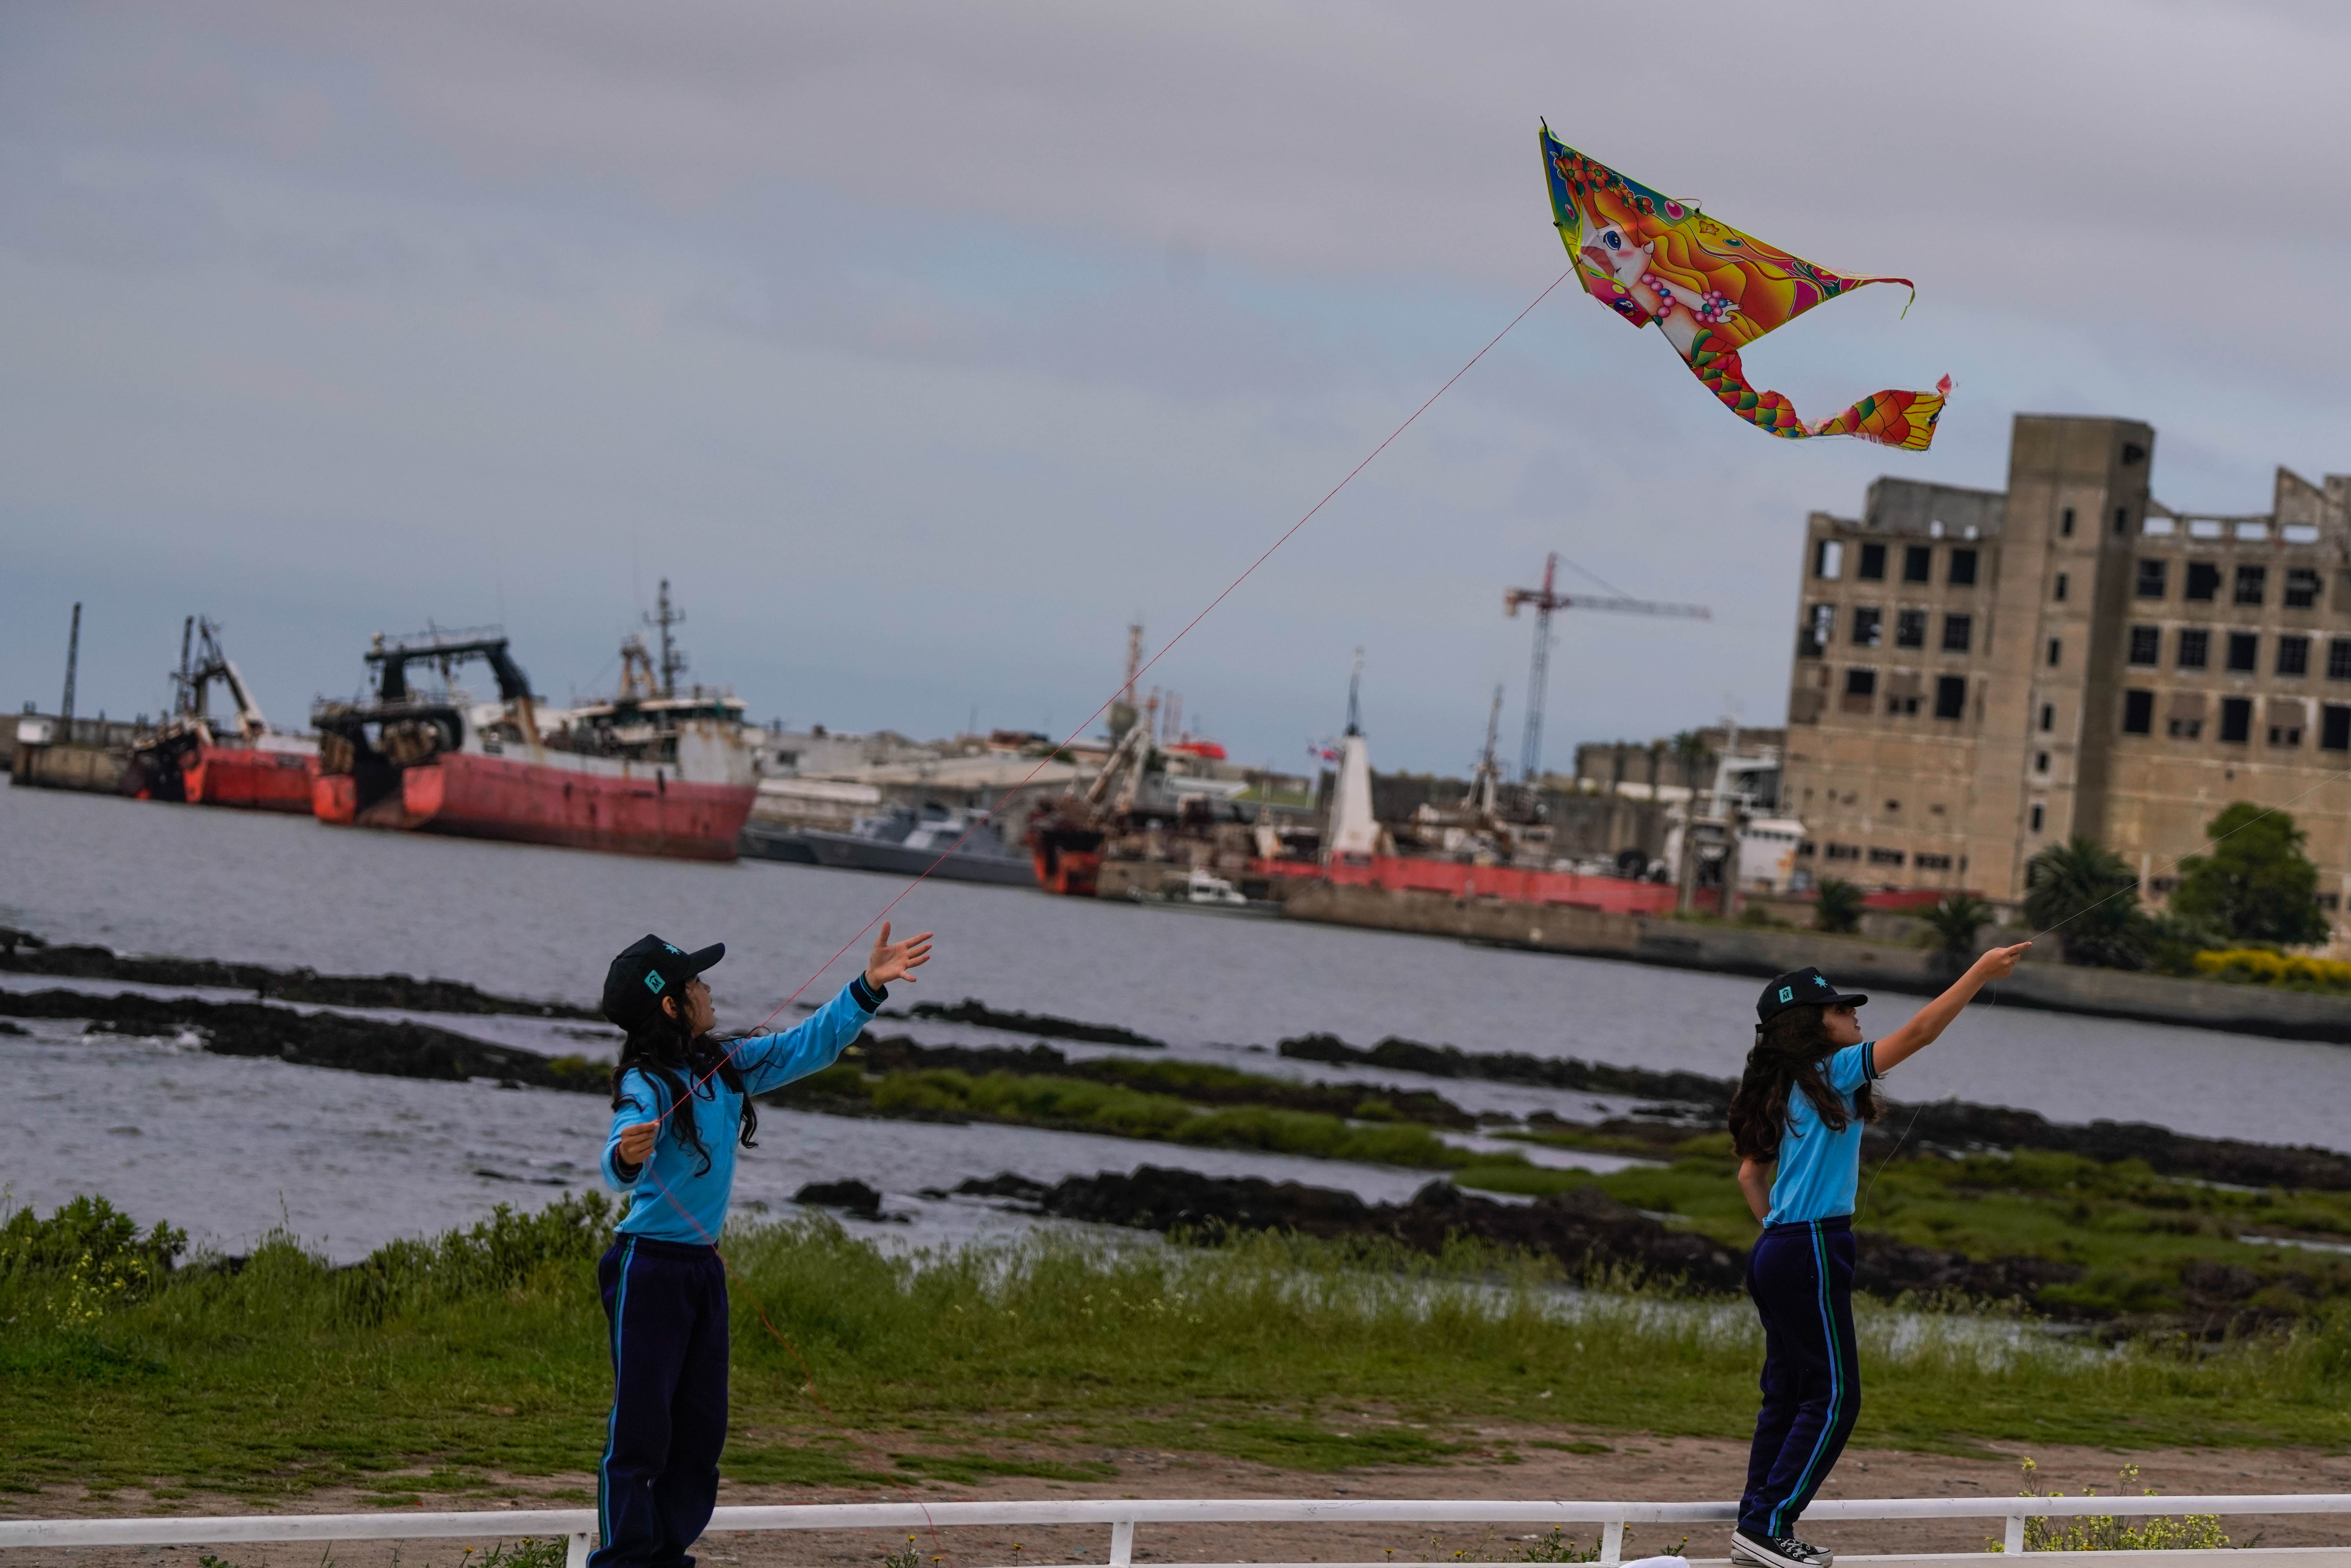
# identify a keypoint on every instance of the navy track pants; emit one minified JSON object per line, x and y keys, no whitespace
{"x":1801,"y":1277}
{"x":667,"y":1306}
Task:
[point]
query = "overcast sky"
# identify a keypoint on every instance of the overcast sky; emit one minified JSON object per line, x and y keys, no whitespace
{"x":922,"y":348}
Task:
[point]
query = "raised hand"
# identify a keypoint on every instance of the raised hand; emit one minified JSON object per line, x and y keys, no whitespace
{"x":2000,"y":962}
{"x":896,"y":960}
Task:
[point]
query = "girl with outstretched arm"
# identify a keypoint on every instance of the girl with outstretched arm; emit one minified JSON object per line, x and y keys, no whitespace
{"x":681,"y":1104}
{"x":1800,"y":1106}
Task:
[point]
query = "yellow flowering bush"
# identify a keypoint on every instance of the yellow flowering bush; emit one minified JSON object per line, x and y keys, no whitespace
{"x":2259,"y":967}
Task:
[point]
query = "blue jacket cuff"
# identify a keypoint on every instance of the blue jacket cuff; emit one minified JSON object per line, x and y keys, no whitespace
{"x":868,"y":996}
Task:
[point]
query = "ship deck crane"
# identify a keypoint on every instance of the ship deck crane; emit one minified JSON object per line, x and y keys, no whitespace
{"x":1546,"y":600}
{"x":200,"y":664}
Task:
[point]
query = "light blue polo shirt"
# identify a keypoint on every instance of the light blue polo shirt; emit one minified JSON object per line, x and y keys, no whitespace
{"x":1818,"y":1168}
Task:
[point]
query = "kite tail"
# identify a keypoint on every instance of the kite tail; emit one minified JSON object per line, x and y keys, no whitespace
{"x":1904,"y":419}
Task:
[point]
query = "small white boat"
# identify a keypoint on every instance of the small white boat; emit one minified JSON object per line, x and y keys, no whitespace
{"x":1206,"y":893}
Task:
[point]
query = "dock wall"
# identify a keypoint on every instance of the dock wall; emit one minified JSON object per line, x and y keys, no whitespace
{"x":94,"y":769}
{"x":1852,"y":962}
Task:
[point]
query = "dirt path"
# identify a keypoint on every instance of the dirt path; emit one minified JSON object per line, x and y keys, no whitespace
{"x":1635,"y":1467}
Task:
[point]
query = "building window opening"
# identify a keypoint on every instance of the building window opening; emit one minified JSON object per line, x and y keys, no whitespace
{"x":2335,"y":728}
{"x":1909,"y":628}
{"x":2038,"y":816}
{"x":1884,"y":857}
{"x":2122,"y":520}
{"x":2186,"y":728}
{"x":2244,"y":652}
{"x":1828,"y":560}
{"x":1950,"y":697}
{"x":2300,"y":588}
{"x":1819,"y":625}
{"x":2203,"y":580}
{"x":1860,"y":690}
{"x":1873,"y":563}
{"x":1917,"y":563}
{"x":2195,"y":649}
{"x":2040,"y":762}
{"x":2338,"y":659}
{"x":1958,"y":632}
{"x":2056,"y":651}
{"x":2152,"y":579}
{"x":2048,"y":717}
{"x":2146,"y":645}
{"x":2236,"y":720}
{"x":2138,"y":713}
{"x":1901,"y":707}
{"x":2065,"y":522}
{"x":2293,"y":655}
{"x":2060,"y":588}
{"x":2285,"y":734}
{"x":2251,"y":581}
{"x":1844,"y":852}
{"x":1868,"y":625}
{"x":1926,"y":861}
{"x":1963,"y":568}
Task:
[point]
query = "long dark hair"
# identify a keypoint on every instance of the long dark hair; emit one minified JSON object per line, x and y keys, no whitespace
{"x":1788,"y":1054}
{"x":665,"y":1048}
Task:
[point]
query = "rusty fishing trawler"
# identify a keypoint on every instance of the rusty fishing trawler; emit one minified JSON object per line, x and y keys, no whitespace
{"x":234,"y":759}
{"x":652,"y":771}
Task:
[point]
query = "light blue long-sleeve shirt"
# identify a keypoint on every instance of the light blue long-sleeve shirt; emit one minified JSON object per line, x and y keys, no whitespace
{"x":675,"y":1197}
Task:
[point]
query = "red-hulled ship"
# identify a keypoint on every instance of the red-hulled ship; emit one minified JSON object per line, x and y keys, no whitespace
{"x":650,"y":772}
{"x":201,"y":760}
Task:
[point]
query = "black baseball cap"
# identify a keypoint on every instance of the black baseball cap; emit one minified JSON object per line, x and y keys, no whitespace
{"x":647,"y":970}
{"x":1800,"y":989}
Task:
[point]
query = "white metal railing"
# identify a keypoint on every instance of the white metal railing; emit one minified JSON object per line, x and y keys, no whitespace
{"x":1122,"y":1514}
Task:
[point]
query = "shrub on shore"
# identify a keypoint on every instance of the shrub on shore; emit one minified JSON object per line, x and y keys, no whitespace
{"x":2261,"y":966}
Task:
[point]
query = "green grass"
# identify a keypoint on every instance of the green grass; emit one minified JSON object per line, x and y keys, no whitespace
{"x":1087,"y":1105}
{"x":440,"y":1368}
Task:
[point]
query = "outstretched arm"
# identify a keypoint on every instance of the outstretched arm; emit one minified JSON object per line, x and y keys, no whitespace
{"x":772,"y":1060}
{"x":1935,"y":1017}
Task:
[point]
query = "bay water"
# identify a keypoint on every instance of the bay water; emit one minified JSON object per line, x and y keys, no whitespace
{"x":230,"y":1148}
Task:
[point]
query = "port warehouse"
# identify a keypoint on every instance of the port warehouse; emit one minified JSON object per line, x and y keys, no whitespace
{"x":1976,"y":674}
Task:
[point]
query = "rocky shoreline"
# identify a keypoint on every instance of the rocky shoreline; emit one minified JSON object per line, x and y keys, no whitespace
{"x":23,"y":953}
{"x":1583,"y":1231}
{"x":1043,"y":1025}
{"x":385,"y":1049}
{"x":1591,"y":1236}
{"x":1942,"y":1125}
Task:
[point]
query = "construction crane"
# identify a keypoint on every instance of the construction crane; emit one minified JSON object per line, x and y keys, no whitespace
{"x":1545,"y":600}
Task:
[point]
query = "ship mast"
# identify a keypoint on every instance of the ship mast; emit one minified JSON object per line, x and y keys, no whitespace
{"x":673,"y":657}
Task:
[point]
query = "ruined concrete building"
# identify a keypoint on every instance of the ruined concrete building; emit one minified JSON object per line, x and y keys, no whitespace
{"x":1980,"y":674}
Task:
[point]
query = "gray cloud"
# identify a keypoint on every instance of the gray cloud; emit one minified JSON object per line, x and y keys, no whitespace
{"x":925,"y":344}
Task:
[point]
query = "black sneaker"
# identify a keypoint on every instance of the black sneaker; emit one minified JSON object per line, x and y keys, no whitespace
{"x":1778,"y":1551}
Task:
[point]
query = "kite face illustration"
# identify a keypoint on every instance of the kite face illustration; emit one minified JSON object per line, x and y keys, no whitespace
{"x":1711,"y":290}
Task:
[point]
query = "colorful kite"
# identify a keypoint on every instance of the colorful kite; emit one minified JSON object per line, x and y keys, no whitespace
{"x":1712,"y":290}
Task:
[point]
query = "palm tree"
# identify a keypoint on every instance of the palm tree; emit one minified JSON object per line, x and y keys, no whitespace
{"x":1955,"y":919}
{"x":1837,"y":908}
{"x":2089,"y":896}
{"x":1690,"y":749}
